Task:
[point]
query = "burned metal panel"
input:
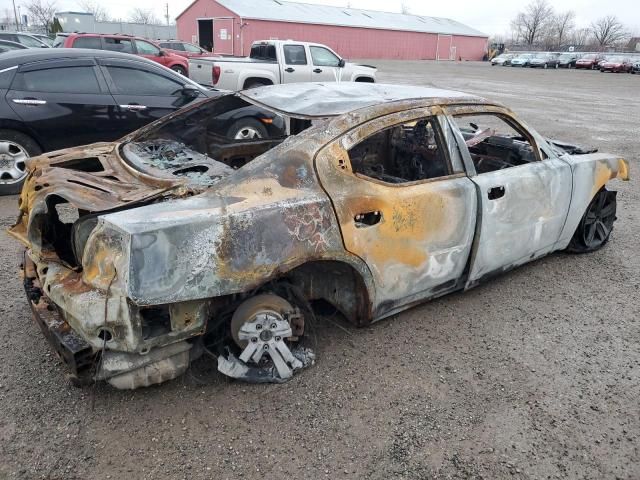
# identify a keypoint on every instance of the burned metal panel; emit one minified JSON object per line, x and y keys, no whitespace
{"x":423,"y":235}
{"x":591,"y":172}
{"x":342,"y":97}
{"x":229,"y":239}
{"x":526,"y":221}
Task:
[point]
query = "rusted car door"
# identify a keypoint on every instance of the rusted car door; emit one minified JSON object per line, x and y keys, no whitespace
{"x":414,"y":235}
{"x":523,"y":208}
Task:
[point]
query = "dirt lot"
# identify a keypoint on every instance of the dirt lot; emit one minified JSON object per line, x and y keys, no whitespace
{"x":535,"y":375}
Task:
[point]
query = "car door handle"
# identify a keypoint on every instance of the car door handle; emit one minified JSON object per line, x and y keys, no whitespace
{"x":290,"y":70}
{"x":367,"y":219}
{"x":317,"y":70}
{"x":496,"y":192}
{"x":133,"y":107}
{"x":29,"y":101}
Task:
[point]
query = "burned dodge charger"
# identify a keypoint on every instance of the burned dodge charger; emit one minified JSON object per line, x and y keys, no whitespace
{"x":176,"y":241}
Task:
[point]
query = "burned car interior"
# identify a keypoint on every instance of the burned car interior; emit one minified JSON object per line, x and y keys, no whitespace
{"x":402,"y":153}
{"x":494,"y":143}
{"x":181,"y":240}
{"x":188,"y":144}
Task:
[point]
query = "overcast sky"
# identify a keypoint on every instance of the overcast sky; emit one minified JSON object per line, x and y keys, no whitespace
{"x":488,"y":16}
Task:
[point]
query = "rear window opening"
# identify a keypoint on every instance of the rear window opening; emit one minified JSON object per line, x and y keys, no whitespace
{"x":211,"y":139}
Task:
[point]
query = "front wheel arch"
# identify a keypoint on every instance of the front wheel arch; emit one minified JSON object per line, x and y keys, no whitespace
{"x":595,"y":227}
{"x":365,"y":80}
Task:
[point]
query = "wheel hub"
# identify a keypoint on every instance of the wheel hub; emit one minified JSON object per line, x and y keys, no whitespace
{"x":265,"y":334}
{"x":12,"y":162}
{"x":247,"y":133}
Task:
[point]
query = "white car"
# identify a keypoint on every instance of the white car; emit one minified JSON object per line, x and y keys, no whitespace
{"x":272,"y":62}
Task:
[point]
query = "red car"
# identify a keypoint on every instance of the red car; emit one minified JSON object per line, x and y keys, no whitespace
{"x":185,"y":49}
{"x":617,"y":65}
{"x":124,"y":44}
{"x":589,"y":61}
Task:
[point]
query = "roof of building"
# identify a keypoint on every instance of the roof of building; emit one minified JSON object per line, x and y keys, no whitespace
{"x":301,"y":99}
{"x":282,"y":11}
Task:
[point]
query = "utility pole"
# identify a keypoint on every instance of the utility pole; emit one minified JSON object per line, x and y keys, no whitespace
{"x":166,"y":15}
{"x":15,"y":14}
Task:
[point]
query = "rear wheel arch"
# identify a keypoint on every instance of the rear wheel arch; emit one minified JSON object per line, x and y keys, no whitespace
{"x":365,"y":80}
{"x":253,"y":82}
{"x":340,"y":283}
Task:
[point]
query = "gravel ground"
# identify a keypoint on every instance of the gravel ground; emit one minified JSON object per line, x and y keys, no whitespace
{"x":534,"y":375}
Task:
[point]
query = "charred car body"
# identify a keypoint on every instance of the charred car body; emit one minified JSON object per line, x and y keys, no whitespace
{"x":141,"y":254}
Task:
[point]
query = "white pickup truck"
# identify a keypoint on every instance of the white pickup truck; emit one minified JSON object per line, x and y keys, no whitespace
{"x":278,"y":61}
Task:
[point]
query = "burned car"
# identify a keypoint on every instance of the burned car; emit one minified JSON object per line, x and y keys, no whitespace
{"x":145,"y":253}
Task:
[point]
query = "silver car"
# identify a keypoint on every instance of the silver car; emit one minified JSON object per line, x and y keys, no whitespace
{"x":144,"y":253}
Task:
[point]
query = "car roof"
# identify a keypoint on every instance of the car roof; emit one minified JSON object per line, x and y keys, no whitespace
{"x":12,"y":44}
{"x":19,"y":57}
{"x":336,"y":98}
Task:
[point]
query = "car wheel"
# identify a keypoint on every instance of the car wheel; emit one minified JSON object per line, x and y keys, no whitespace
{"x":247,"y":129}
{"x":266,"y":332}
{"x":179,"y":69}
{"x":15,"y":148}
{"x":596,"y":225}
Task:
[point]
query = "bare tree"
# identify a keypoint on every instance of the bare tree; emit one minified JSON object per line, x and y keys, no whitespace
{"x":404,"y":8}
{"x":534,"y":23}
{"x":581,"y":36}
{"x":608,"y":30}
{"x":100,"y":14}
{"x":563,"y":24}
{"x":143,"y":15}
{"x":41,"y":12}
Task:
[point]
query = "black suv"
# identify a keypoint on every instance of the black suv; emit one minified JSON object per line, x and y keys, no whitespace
{"x":53,"y":98}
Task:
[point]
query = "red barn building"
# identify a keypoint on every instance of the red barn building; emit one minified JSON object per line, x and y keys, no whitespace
{"x":232,"y":25}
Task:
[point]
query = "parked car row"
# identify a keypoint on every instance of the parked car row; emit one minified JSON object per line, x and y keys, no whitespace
{"x":614,"y":62}
{"x":28,"y":40}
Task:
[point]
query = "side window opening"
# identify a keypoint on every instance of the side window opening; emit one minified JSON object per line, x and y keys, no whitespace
{"x":494,"y":143}
{"x":73,"y":80}
{"x":323,"y":58}
{"x":122,"y":45}
{"x":403,"y":153}
{"x":294,"y":55}
{"x":88,"y":42}
{"x":264,"y":52}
